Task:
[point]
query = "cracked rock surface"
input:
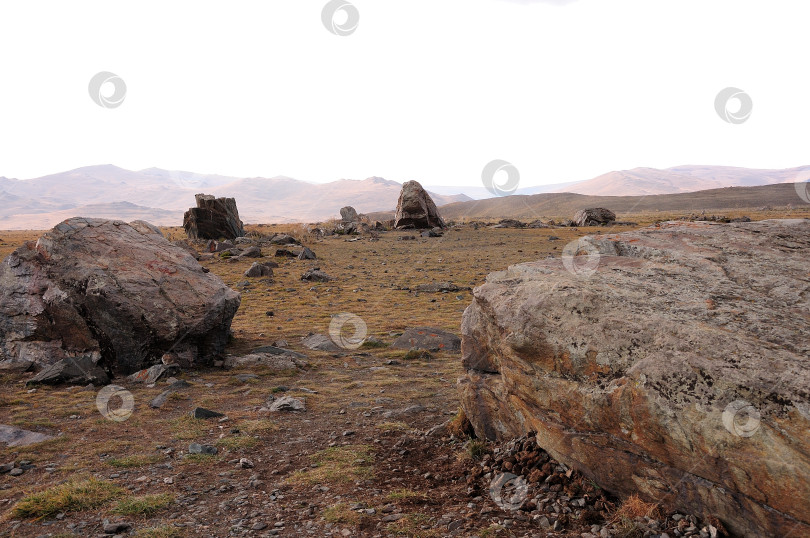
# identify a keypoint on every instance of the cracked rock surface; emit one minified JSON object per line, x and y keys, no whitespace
{"x":115,"y":294}
{"x":672,"y":362}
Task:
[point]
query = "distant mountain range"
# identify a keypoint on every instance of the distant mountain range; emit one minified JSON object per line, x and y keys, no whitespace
{"x":161,"y":196}
{"x":680,"y":179}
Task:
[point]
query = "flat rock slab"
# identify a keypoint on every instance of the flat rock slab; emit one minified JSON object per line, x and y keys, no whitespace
{"x":18,"y":437}
{"x":320,"y":342}
{"x":429,"y":339}
{"x":439,"y":287}
{"x":72,"y":370}
{"x":16,"y":365}
{"x":672,"y":362}
{"x":276,"y":350}
{"x":158,"y":401}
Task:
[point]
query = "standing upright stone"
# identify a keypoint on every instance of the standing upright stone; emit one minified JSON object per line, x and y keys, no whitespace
{"x":348,"y":214}
{"x":416,"y":208}
{"x":213,"y":218}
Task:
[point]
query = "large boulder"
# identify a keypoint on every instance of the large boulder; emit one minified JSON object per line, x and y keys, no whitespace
{"x":594,"y":216}
{"x":119,"y":295}
{"x":672,"y":362}
{"x":416,"y":208}
{"x":213,"y":218}
{"x":349,"y":214}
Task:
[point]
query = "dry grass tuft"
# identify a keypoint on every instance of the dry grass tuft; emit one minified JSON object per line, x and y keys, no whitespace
{"x":460,"y":426}
{"x":341,"y":513}
{"x":72,"y":496}
{"x":338,"y":464}
{"x":632,"y":508}
{"x":144,"y":505}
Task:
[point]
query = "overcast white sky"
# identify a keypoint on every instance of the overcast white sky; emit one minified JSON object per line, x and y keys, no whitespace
{"x":425,"y":90}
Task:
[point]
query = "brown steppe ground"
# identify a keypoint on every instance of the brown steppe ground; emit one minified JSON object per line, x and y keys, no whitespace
{"x":314,"y":470}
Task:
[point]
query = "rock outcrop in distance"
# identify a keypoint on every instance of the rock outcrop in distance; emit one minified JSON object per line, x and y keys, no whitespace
{"x":672,"y":362}
{"x":594,"y":216}
{"x":213,"y":218}
{"x":416,"y":209}
{"x":115,"y":294}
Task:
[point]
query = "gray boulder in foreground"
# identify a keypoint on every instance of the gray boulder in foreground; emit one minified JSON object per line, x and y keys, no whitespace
{"x":672,"y":362}
{"x":112,"y":294}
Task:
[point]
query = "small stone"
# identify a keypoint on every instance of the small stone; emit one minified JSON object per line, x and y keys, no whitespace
{"x":259,"y":526}
{"x":392,"y":517}
{"x":196,"y":448}
{"x":16,"y":472}
{"x":115,"y":528}
{"x":202,"y":413}
{"x":288,"y":403}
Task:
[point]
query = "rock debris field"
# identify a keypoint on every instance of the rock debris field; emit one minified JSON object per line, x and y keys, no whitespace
{"x":649,"y":380}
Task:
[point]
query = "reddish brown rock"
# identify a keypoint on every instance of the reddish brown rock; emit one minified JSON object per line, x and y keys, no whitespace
{"x":676,"y":366}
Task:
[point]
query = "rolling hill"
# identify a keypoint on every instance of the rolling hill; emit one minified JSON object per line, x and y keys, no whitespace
{"x":161,"y":196}
{"x":681,"y":179}
{"x":564,"y":205}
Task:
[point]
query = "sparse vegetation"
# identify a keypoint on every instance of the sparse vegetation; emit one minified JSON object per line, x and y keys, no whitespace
{"x":237,"y":442}
{"x":163,"y":531}
{"x":393,"y":426}
{"x":186,"y":427}
{"x":138,"y":460}
{"x":338,"y":464}
{"x":356,"y":390}
{"x":373,"y":344}
{"x":460,"y":425}
{"x":405,"y":494}
{"x":476,"y":449}
{"x":144,"y":505}
{"x":341,"y":513}
{"x":631,"y":509}
{"x":72,"y":496}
